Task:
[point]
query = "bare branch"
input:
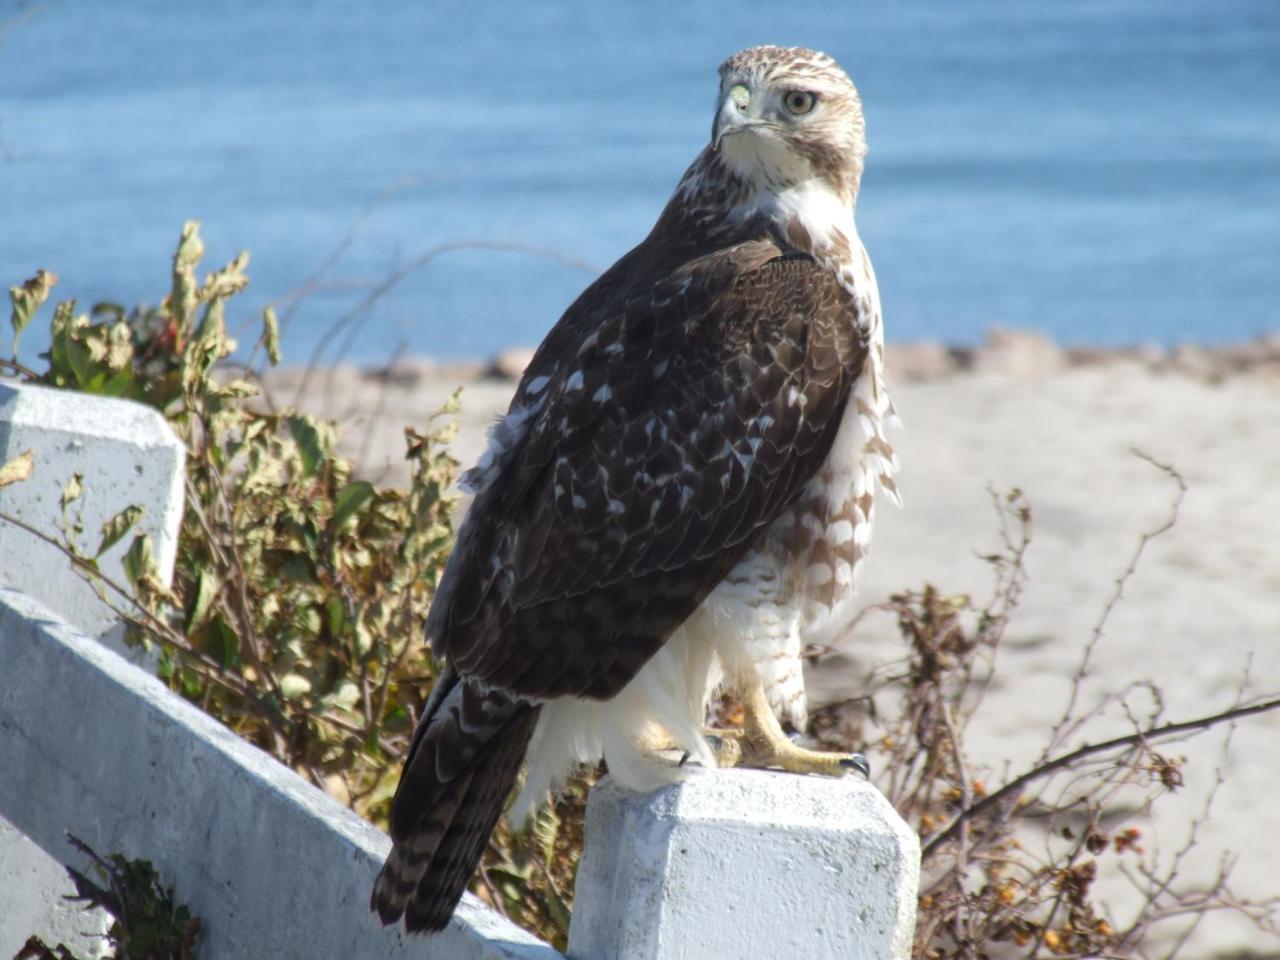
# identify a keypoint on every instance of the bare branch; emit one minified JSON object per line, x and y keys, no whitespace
{"x":393,"y":279}
{"x":17,"y":369}
{"x":1069,"y":723}
{"x":1011,"y":790}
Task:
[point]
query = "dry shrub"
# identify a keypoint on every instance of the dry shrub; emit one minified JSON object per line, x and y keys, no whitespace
{"x":1009,"y":868}
{"x":299,"y":593}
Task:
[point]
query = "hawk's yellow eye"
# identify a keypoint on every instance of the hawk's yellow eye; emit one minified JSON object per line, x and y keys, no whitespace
{"x":799,"y":102}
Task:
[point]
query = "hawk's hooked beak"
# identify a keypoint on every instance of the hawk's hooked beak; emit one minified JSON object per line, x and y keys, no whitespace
{"x":735,"y":115}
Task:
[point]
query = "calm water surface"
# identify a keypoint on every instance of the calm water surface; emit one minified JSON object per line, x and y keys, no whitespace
{"x":1108,"y":170}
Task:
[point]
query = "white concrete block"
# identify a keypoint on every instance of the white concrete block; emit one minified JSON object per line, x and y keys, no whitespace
{"x":745,"y":864}
{"x":272,"y":866}
{"x":33,"y":892}
{"x":126,"y":454}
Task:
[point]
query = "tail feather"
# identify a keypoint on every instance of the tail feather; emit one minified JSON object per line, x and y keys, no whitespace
{"x":465,"y":756}
{"x":408,"y":861}
{"x":458,"y":852}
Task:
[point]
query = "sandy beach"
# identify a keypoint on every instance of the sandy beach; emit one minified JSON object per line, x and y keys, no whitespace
{"x":1062,"y":426}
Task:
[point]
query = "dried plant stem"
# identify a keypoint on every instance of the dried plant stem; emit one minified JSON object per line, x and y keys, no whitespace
{"x":1014,"y":787}
{"x":1068,"y":723}
{"x":156,"y":628}
{"x":397,"y":276}
{"x":13,"y":366}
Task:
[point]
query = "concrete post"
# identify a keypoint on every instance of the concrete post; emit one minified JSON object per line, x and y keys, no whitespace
{"x":745,"y":864}
{"x":127,"y":455}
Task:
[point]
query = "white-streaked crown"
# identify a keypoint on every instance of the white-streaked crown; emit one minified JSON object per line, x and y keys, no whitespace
{"x":774,"y":148}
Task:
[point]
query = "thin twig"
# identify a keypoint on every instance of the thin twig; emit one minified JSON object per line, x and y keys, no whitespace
{"x":394,"y":278}
{"x":1068,"y":724}
{"x":15,"y":367}
{"x":140,"y":616}
{"x":1015,"y":786}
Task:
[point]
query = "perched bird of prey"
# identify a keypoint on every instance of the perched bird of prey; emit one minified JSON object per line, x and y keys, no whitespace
{"x":681,"y":490}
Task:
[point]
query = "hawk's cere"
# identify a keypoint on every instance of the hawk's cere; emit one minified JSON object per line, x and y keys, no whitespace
{"x":681,"y":490}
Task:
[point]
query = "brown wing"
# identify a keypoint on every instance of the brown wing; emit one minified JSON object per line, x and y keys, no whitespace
{"x":691,"y":414}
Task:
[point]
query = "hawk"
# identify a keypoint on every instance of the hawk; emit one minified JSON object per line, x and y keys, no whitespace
{"x":681,"y":490}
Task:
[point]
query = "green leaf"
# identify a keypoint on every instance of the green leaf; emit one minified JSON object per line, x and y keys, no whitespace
{"x":556,"y":906}
{"x":113,"y":530}
{"x":222,"y":643}
{"x":298,"y":569}
{"x":108,"y":312}
{"x":182,"y":299}
{"x":119,"y":354}
{"x":511,"y":873}
{"x":294,"y":685}
{"x":337,"y":615}
{"x":226,"y":282}
{"x":80,"y":360}
{"x":17,"y":469}
{"x":351,"y":498}
{"x":450,"y":406}
{"x":206,"y":589}
{"x":139,"y":560}
{"x":59,"y":332}
{"x":271,"y":335}
{"x":310,"y":621}
{"x":237,"y":390}
{"x":345,"y":697}
{"x":306,"y":434}
{"x":73,"y":490}
{"x":27,"y":299}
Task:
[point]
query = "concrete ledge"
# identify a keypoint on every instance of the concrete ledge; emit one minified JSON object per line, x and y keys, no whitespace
{"x":745,"y":864}
{"x":274,"y":867}
{"x":127,"y":455}
{"x":33,"y":888}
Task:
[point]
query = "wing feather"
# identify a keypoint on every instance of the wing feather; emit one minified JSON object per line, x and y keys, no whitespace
{"x":678,"y":420}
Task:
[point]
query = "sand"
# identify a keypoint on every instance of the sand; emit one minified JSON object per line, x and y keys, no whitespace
{"x":1204,"y":603}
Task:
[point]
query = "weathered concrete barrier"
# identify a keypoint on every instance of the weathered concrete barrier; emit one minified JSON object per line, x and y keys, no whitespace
{"x":274,"y":867}
{"x":744,"y":863}
{"x":126,"y":454}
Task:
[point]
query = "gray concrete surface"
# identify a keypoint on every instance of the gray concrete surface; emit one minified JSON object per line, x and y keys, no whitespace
{"x":273,"y":867}
{"x":33,"y":891}
{"x":745,"y":864}
{"x":127,"y":456}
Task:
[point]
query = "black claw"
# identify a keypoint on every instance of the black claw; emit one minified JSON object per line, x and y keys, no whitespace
{"x":857,"y":762}
{"x":684,"y":759}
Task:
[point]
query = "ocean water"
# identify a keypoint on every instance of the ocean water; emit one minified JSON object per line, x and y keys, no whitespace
{"x":1106,"y":170}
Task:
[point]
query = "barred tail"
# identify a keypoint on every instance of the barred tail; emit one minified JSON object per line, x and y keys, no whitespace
{"x":466,"y":754}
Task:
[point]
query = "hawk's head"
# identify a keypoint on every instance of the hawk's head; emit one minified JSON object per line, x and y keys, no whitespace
{"x":787,"y":116}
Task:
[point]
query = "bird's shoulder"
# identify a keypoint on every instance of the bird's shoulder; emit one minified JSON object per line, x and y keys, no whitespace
{"x":653,"y":306}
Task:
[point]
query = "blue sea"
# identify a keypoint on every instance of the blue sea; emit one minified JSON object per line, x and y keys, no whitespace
{"x":1106,"y":170}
